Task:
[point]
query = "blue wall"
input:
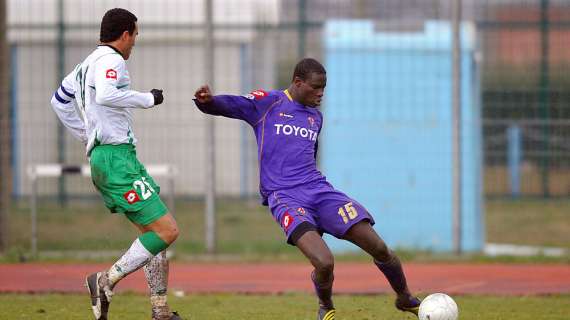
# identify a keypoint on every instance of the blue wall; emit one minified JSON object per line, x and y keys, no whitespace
{"x":387,"y":135}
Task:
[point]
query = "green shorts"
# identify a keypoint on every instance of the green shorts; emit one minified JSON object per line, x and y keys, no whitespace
{"x":125,"y":185}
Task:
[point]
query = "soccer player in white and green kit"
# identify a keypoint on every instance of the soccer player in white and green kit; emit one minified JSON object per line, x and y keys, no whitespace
{"x":94,"y":102}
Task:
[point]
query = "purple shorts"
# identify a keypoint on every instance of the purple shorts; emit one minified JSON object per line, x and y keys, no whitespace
{"x":315,"y":206}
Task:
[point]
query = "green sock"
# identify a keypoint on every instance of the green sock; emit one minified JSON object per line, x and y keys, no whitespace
{"x":152,"y":242}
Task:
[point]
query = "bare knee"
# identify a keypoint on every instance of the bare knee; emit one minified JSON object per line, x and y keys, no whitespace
{"x":363,"y":235}
{"x":324,"y":264}
{"x":168,"y":231}
{"x":171,"y":234}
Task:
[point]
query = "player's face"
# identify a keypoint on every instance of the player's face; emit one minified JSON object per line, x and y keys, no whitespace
{"x":312,"y":89}
{"x":130,"y":41}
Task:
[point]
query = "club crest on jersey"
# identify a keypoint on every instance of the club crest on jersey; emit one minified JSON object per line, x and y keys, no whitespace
{"x":301,"y":211}
{"x":287,"y":220}
{"x":111,"y":74}
{"x":131,"y":196}
{"x":311,"y":122}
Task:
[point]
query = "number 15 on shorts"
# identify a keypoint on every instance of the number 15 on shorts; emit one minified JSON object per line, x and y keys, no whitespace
{"x":347,"y":212}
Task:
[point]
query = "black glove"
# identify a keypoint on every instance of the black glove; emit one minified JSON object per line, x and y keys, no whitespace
{"x":158,"y":98}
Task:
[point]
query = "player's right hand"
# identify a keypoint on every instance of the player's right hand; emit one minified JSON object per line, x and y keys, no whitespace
{"x":158,"y":97}
{"x":203,"y":94}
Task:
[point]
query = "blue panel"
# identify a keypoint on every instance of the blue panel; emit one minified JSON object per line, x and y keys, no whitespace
{"x":514,"y":158}
{"x":387,"y":136}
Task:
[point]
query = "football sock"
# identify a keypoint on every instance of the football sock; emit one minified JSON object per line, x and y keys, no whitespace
{"x":136,"y":257}
{"x":152,"y":242}
{"x":323,"y":290}
{"x":392,"y":270}
{"x":156,"y":273}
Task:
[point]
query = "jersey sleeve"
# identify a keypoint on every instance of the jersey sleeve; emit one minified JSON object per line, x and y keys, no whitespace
{"x":318,"y":133}
{"x":64,"y":104}
{"x":109,"y":70}
{"x":250,"y":108}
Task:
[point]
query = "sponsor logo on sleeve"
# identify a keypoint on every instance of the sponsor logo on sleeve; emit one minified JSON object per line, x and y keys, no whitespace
{"x":301,"y":211}
{"x":131,"y":196}
{"x":258,"y":94}
{"x":287,"y":221}
{"x":111,"y":74}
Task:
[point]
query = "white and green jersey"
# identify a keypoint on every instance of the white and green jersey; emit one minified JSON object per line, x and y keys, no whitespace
{"x":94,"y":101}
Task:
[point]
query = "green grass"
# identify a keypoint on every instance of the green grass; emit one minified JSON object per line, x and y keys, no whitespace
{"x":529,"y":222}
{"x":247,"y":231}
{"x":276,"y":307}
{"x":243,"y":227}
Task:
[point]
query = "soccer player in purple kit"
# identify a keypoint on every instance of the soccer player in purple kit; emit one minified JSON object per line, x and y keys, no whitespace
{"x":286,"y":125}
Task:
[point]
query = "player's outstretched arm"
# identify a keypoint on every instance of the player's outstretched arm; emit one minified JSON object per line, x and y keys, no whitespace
{"x":246,"y":108}
{"x":109,"y":72}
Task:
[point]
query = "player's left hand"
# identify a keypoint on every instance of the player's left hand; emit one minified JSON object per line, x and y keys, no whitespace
{"x":158,"y":96}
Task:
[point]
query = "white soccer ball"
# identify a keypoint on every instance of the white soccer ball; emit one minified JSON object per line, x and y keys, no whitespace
{"x":438,"y":306}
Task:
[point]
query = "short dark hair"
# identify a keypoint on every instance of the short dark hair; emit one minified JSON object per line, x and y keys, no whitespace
{"x":306,"y":67}
{"x":114,"y":23}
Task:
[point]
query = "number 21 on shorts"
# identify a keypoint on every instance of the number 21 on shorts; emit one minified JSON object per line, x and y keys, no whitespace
{"x":347,"y":212}
{"x":145,"y":188}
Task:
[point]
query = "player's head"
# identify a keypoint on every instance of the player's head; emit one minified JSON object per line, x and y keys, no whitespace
{"x":119,"y":27}
{"x":309,"y":82}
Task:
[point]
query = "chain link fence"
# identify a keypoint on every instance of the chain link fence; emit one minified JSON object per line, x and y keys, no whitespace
{"x":523,"y":57}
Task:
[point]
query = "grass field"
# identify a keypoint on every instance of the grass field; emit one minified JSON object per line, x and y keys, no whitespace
{"x":246,"y":229}
{"x":280,"y":307}
{"x":243,"y":227}
{"x":529,"y":222}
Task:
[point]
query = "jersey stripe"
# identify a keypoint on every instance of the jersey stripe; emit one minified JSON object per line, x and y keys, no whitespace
{"x":60,"y":99}
{"x":71,"y":95}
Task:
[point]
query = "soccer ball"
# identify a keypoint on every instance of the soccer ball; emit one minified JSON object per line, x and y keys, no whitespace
{"x":438,"y":306}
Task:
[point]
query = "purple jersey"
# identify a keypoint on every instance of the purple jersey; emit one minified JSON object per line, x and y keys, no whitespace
{"x":286,"y":133}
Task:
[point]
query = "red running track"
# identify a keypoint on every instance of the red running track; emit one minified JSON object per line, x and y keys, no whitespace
{"x":263,"y":278}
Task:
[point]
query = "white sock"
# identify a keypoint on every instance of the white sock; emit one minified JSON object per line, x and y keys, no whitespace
{"x":156,"y":273}
{"x":136,"y":257}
